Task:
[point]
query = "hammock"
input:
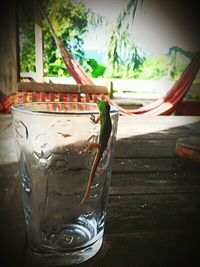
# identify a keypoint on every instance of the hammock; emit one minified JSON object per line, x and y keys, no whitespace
{"x":167,"y":104}
{"x":163,"y":106}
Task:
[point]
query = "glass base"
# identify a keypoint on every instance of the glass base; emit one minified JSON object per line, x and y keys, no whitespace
{"x":70,"y":257}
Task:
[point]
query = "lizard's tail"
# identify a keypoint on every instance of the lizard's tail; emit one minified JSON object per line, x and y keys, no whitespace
{"x":91,"y":177}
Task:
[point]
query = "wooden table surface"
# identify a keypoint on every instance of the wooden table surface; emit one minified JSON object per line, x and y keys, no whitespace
{"x":153,"y":216}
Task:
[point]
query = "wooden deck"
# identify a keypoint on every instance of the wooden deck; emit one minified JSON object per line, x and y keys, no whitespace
{"x":153,"y":216}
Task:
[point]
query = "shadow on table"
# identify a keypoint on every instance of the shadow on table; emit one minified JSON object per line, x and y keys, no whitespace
{"x":153,"y":213}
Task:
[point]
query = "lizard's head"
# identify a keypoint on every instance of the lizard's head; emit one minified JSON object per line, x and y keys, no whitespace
{"x":103,"y":106}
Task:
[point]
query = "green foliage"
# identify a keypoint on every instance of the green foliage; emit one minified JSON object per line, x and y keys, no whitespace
{"x":154,"y":67}
{"x":180,"y":58}
{"x":27,"y":38}
{"x":69,"y":20}
{"x":93,"y":68}
{"x":177,"y":70}
{"x":123,"y":55}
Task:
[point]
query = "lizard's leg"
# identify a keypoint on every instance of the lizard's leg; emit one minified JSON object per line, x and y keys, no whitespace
{"x":94,"y":119}
{"x":91,"y":147}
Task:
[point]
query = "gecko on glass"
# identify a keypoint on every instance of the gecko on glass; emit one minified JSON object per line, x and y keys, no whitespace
{"x":105,"y":131}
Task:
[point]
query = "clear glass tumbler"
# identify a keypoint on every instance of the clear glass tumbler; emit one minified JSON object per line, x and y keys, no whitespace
{"x":54,"y":149}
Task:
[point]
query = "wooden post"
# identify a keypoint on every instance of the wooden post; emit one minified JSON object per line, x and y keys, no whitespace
{"x":38,"y":43}
{"x":109,"y":84}
{"x":9,"y":70}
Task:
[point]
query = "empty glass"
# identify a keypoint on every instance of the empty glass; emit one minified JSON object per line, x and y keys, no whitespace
{"x":52,"y":141}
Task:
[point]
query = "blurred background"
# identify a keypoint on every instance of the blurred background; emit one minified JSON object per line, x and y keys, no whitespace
{"x":142,"y":46}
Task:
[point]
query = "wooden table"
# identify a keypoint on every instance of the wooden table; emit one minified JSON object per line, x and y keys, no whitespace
{"x":153,"y":216}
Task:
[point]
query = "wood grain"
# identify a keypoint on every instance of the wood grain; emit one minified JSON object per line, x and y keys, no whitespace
{"x":153,"y":213}
{"x":64,"y":88}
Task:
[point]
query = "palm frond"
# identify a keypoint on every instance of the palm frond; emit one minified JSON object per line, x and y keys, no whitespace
{"x":130,"y":9}
{"x":96,"y":20}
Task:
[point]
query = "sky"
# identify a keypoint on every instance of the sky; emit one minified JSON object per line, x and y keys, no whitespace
{"x":108,"y":9}
{"x":158,"y":25}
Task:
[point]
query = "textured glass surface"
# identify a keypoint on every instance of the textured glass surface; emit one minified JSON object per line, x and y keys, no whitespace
{"x":54,"y":163}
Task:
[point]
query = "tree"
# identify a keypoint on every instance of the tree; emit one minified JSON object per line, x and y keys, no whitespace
{"x":26,"y":36}
{"x":153,"y":67}
{"x":122,"y":53}
{"x":69,"y":21}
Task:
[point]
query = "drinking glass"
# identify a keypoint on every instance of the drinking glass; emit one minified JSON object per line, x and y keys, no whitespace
{"x":52,"y":141}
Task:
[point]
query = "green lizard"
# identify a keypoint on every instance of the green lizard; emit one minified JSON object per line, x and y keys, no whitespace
{"x":105,"y":130}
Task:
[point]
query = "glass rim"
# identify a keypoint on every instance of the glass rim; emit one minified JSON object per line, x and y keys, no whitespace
{"x":26,"y":108}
